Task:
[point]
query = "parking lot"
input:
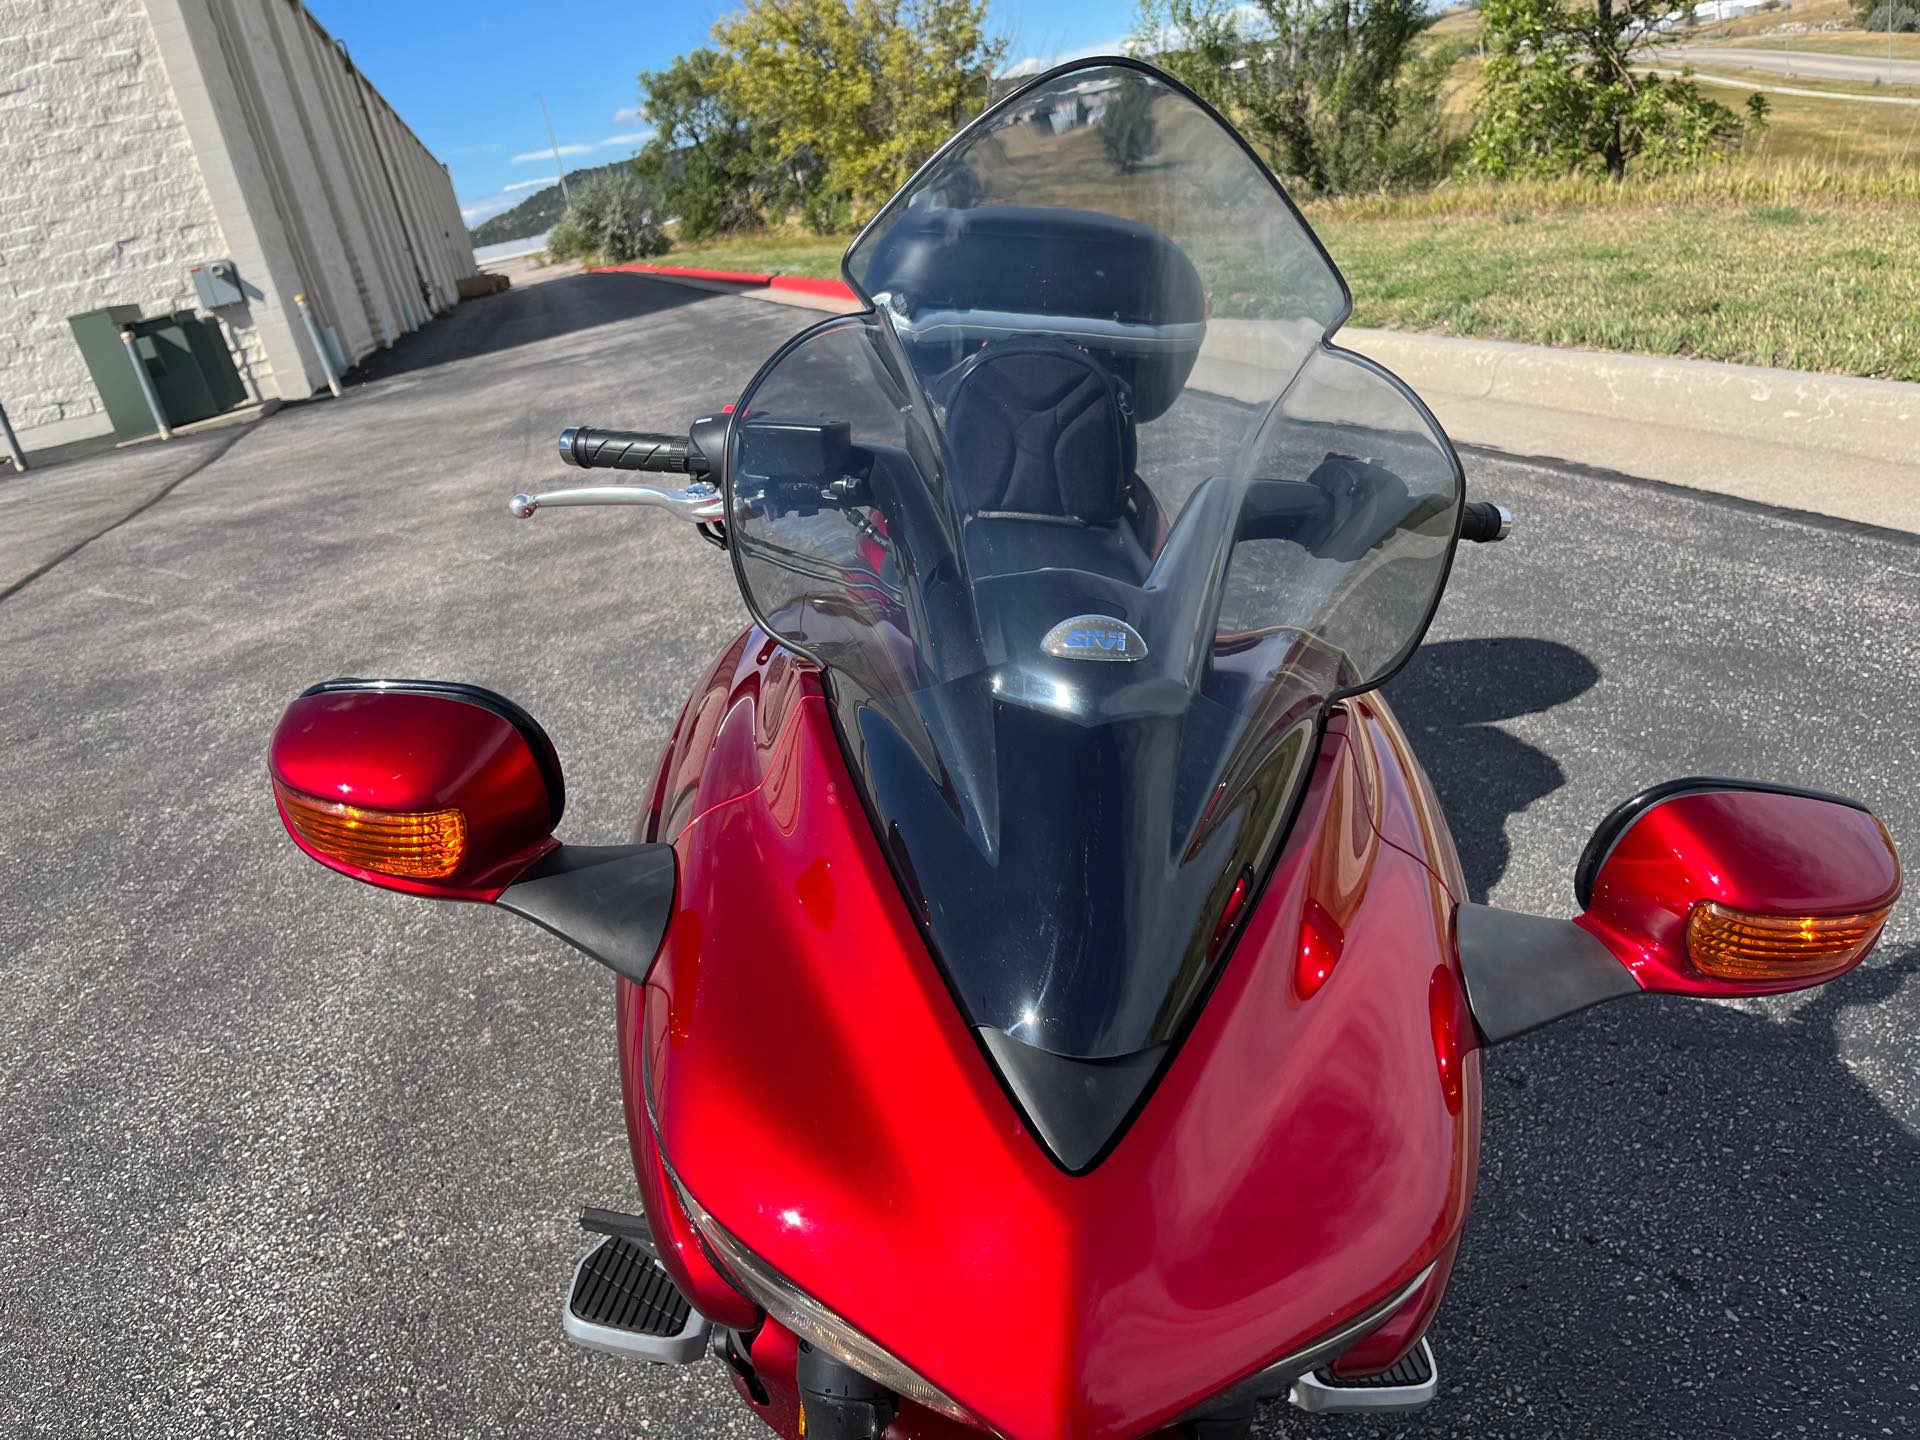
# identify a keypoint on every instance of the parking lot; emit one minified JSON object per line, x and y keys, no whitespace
{"x":280,"y":1155}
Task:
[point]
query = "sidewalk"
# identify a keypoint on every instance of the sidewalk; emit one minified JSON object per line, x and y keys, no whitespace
{"x":1831,"y":444}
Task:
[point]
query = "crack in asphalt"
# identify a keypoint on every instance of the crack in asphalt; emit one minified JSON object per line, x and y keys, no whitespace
{"x":142,"y":508}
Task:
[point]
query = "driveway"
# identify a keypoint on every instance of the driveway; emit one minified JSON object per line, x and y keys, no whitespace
{"x":284,"y":1156}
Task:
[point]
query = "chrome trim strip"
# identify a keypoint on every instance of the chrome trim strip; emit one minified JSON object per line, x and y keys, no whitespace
{"x":1275,"y":1380}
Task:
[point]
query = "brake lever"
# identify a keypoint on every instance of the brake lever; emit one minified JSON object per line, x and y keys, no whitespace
{"x":698,"y":503}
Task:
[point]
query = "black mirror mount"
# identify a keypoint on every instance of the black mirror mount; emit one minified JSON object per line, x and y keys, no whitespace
{"x":1525,"y":971}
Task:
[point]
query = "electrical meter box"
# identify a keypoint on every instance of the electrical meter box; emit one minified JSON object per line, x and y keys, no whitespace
{"x":217,"y":283}
{"x":184,"y":355}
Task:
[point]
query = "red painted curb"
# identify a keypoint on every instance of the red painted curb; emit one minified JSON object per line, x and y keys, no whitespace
{"x":805,"y":284}
{"x":812,"y":285}
{"x":687,"y":272}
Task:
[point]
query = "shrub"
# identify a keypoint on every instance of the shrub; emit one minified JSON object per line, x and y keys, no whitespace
{"x":1882,"y":18}
{"x":612,"y":219}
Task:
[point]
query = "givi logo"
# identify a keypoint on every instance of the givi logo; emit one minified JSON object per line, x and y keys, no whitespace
{"x":1094,"y":637}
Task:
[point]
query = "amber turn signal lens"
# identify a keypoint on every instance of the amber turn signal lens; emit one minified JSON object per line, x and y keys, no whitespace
{"x":407,"y":844}
{"x":1739,"y":945}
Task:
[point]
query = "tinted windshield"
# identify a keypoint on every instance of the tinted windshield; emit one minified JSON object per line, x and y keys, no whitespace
{"x":1087,"y":523}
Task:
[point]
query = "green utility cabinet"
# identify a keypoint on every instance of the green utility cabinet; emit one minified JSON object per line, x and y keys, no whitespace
{"x":185,"y":356}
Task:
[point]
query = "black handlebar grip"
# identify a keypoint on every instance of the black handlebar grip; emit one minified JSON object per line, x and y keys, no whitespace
{"x":623,"y":450}
{"x":1483,"y":521}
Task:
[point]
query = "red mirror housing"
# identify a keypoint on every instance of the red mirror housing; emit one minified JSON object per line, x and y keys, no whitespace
{"x":1727,"y":887}
{"x":422,"y":786}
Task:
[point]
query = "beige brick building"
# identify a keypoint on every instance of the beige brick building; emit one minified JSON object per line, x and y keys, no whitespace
{"x":139,"y":138}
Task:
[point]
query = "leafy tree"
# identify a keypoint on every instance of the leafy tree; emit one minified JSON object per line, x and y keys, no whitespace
{"x":1127,"y":129}
{"x":863,"y":90}
{"x":611,"y":218}
{"x":1566,"y":90}
{"x":702,"y":161}
{"x":1342,"y":94}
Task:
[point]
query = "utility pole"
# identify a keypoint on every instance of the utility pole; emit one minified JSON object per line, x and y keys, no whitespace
{"x":554,"y":140}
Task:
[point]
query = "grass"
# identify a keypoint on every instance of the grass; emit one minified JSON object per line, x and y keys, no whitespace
{"x":1802,"y":268}
{"x":1875,"y":145}
{"x":1773,"y":79}
{"x":1799,"y":251}
{"x":1808,"y":286}
{"x":778,"y":252}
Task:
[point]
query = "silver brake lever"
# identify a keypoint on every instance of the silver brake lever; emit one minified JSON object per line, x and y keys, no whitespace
{"x":699,"y":503}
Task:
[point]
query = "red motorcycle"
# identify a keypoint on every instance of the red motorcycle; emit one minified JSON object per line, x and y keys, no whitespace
{"x":1049,"y":1002}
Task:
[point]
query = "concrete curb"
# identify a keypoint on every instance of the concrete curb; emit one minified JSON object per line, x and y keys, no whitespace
{"x":1874,"y":419}
{"x":1832,"y":444}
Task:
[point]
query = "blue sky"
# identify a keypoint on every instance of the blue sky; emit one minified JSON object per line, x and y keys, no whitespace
{"x":464,"y":76}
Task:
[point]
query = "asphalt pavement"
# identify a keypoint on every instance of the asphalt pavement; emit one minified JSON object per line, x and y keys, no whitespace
{"x":1806,"y":64}
{"x":284,"y":1156}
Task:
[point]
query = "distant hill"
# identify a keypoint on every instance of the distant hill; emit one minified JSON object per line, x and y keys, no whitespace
{"x":535,"y":214}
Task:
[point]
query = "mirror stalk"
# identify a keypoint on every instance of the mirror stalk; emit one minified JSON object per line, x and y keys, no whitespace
{"x":611,"y":902}
{"x":1525,"y":971}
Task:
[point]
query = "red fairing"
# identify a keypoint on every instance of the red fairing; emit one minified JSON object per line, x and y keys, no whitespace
{"x":390,"y":750}
{"x":819,"y":1093}
{"x":674,"y":1240}
{"x":1773,"y":854}
{"x":1406,"y":809}
{"x":1401,"y":1331}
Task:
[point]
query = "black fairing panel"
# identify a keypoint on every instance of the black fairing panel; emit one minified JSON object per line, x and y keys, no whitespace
{"x":1077,"y":1106}
{"x":1073,"y":883}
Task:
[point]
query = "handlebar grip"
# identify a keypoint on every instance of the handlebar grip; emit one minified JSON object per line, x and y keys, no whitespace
{"x":1482,"y":521}
{"x":623,"y":450}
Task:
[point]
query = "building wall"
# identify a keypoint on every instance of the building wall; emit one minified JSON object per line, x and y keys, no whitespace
{"x":100,"y":199}
{"x":155,"y":134}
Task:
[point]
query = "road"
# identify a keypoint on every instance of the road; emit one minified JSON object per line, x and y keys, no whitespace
{"x":1805,"y":64}
{"x":283,"y":1156}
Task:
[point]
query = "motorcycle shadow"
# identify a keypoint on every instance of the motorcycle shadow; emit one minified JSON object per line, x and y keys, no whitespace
{"x":1692,"y":1219}
{"x":1449,"y":697}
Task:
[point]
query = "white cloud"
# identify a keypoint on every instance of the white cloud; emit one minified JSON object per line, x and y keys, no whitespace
{"x":547,"y":154}
{"x":476,"y":211}
{"x":631,"y":137}
{"x":523,"y":185}
{"x":625,"y":113}
{"x":1035,"y":64}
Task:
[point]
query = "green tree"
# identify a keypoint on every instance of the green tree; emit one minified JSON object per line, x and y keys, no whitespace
{"x":1566,"y":89}
{"x":1341,"y":94}
{"x":864,"y":90}
{"x":611,"y":219}
{"x":1127,"y":129}
{"x":1880,"y":16}
{"x":702,"y":160}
